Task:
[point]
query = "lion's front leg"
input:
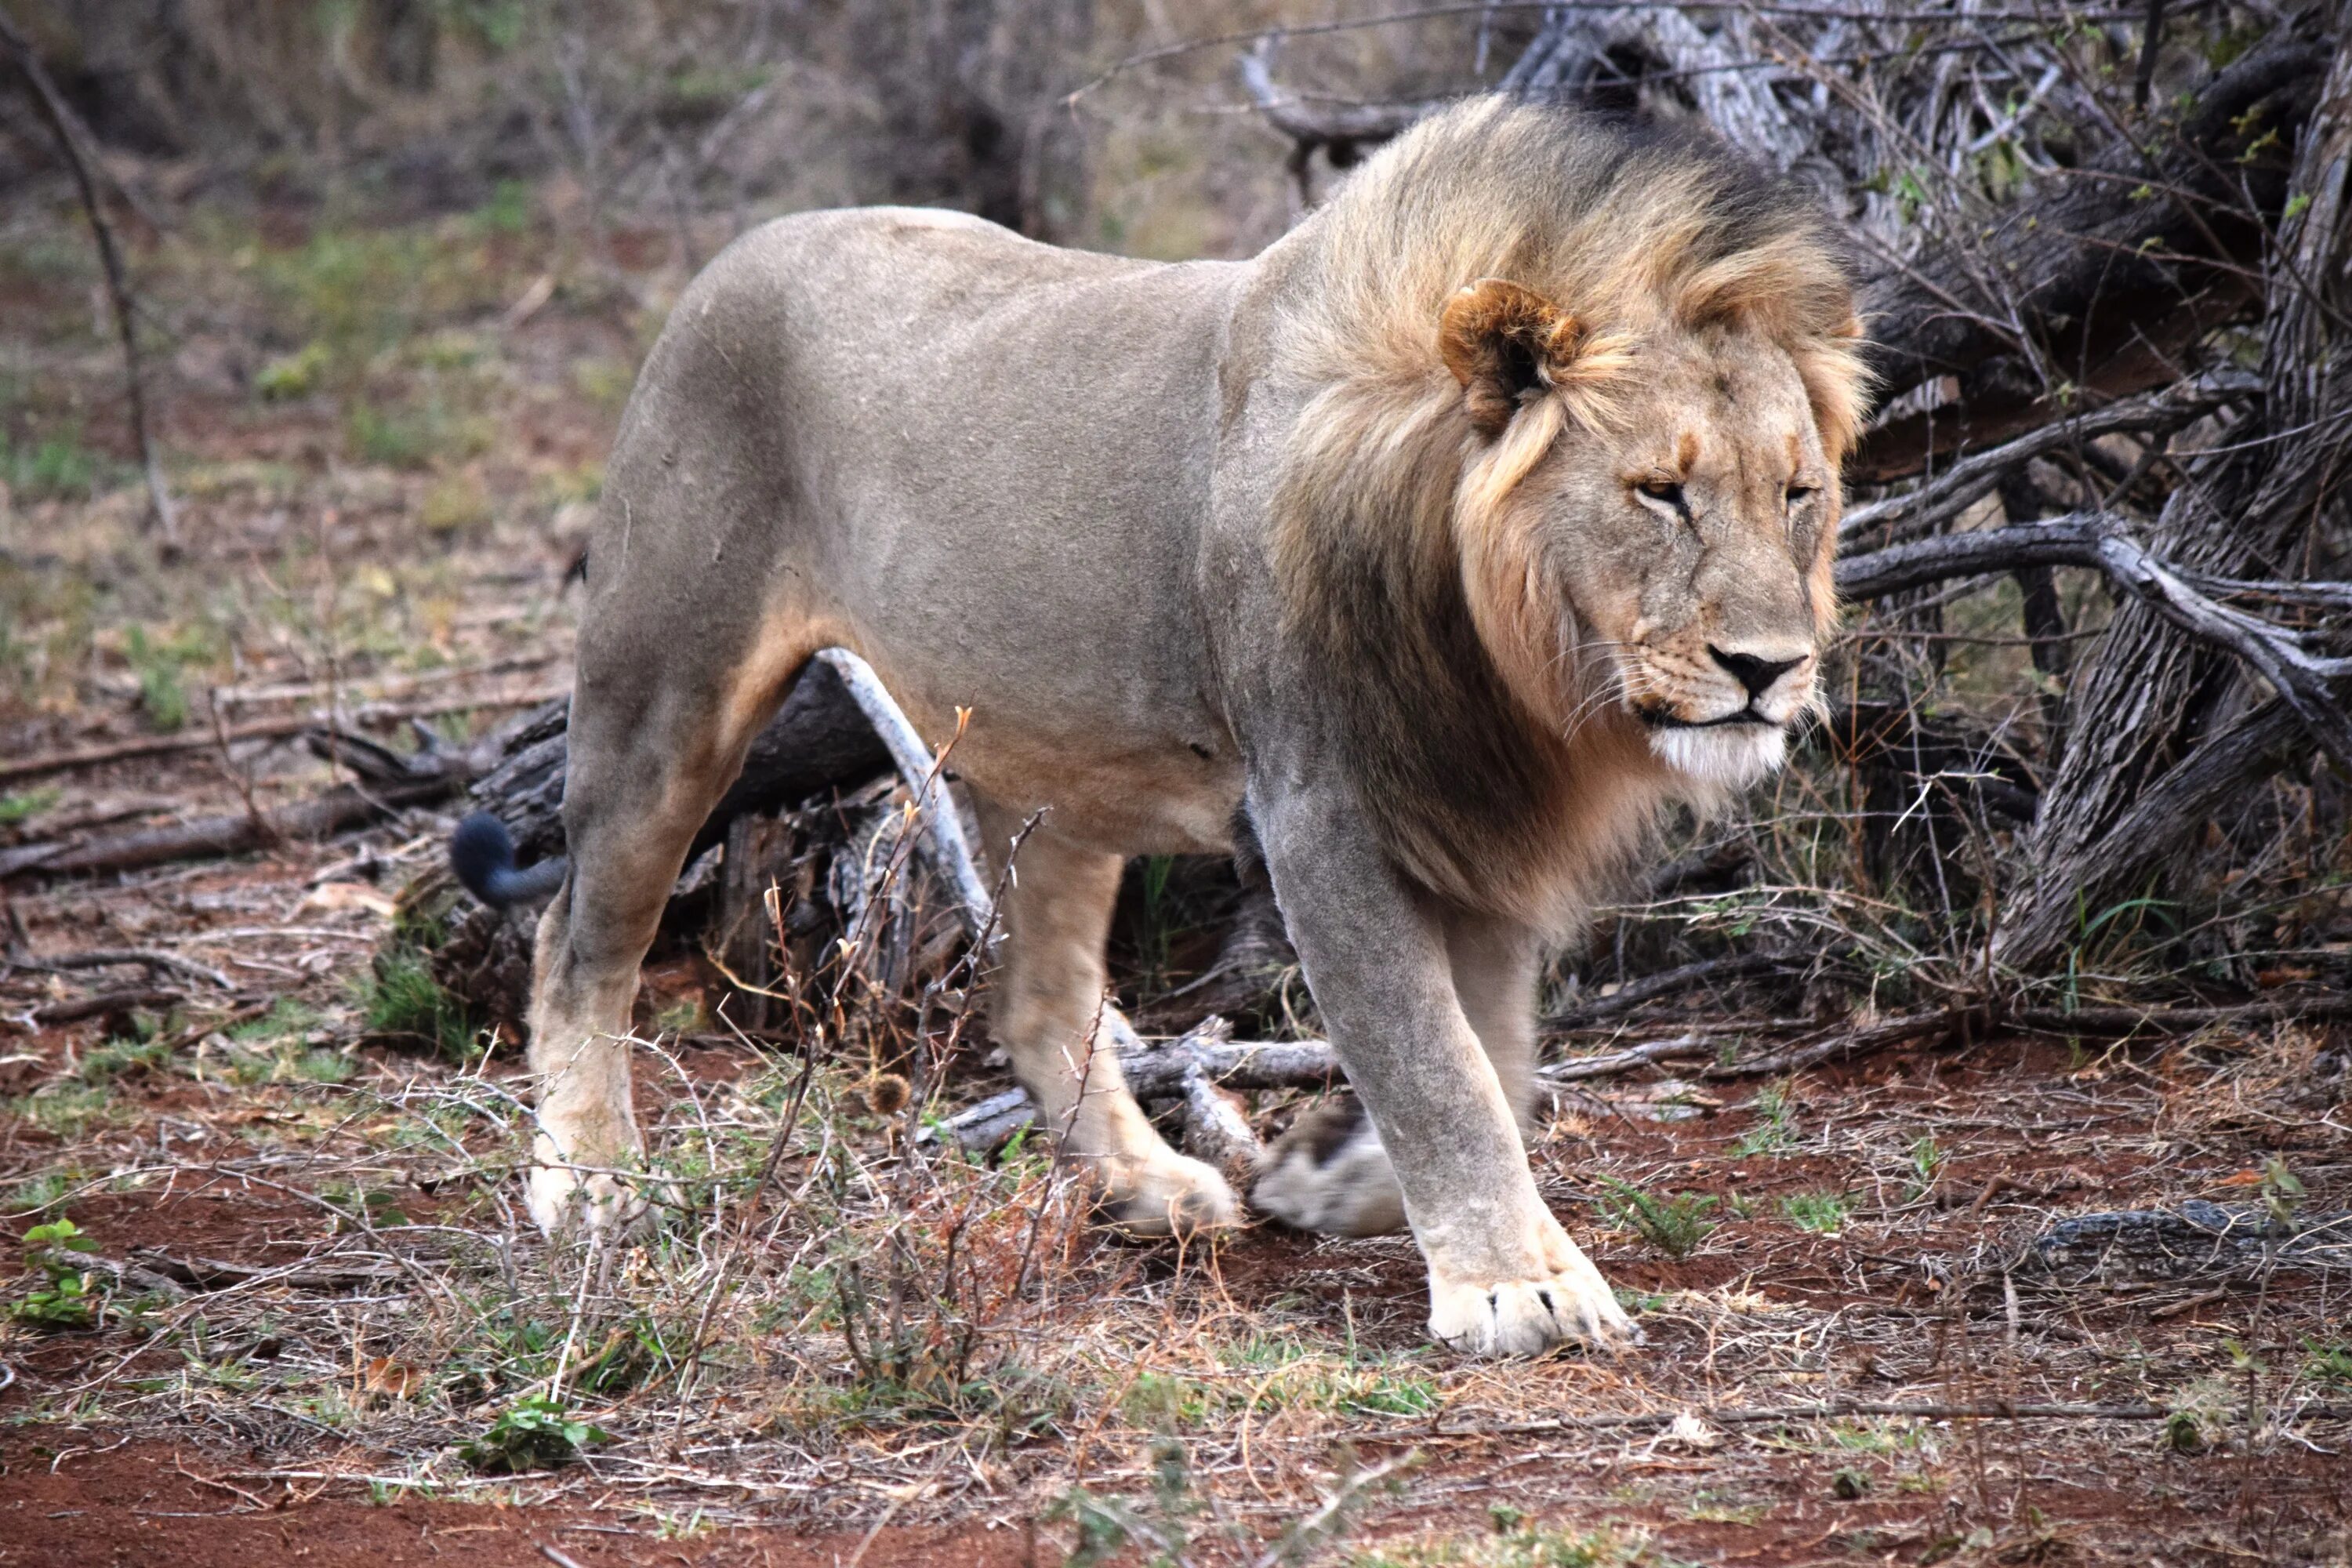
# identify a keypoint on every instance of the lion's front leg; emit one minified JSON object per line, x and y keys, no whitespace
{"x":1330,"y":1171}
{"x":1050,"y":1016}
{"x":1504,"y":1277}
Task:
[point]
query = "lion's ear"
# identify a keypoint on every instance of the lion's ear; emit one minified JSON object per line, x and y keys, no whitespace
{"x":1500,"y":341}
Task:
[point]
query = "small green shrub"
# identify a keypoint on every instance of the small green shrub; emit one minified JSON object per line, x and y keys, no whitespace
{"x":158,"y":662}
{"x":1675,"y":1226}
{"x":125,"y":1059}
{"x":1516,"y":1545}
{"x":16,"y":808}
{"x":67,"y":1295}
{"x":289,"y":376}
{"x":1774,"y":1132}
{"x":2329,"y":1364}
{"x":1821,"y":1213}
{"x":399,"y":1000}
{"x":534,"y":1434}
{"x":57,"y":468}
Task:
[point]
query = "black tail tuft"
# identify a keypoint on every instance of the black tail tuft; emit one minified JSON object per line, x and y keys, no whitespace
{"x":482,"y":853}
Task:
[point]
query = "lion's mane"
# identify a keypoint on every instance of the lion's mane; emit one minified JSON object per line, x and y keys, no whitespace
{"x":1430,"y":638}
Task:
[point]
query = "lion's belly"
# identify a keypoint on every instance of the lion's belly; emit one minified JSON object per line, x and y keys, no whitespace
{"x":1141,"y":778}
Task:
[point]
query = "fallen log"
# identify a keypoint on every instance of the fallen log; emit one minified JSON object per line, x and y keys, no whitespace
{"x":103,"y":1004}
{"x":330,"y":814}
{"x":279,"y":729}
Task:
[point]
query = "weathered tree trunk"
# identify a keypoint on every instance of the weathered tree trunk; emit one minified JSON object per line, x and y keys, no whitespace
{"x":2155,"y":705}
{"x":818,"y":739}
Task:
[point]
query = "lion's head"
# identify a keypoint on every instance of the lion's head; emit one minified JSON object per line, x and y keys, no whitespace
{"x":1558,"y":517}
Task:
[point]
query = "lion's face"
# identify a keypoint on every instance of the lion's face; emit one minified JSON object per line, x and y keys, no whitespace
{"x":1692,"y":539}
{"x":1682,"y":538}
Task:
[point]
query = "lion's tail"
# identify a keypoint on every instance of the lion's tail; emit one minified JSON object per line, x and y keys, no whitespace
{"x":482,"y":853}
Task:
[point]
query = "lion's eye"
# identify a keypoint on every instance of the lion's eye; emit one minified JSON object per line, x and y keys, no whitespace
{"x":1665,"y":492}
{"x":1798,"y":495}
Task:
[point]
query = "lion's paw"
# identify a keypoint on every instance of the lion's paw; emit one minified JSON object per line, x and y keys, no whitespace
{"x":1168,"y":1193}
{"x":1527,"y":1317}
{"x":1329,"y":1173}
{"x":564,"y":1200}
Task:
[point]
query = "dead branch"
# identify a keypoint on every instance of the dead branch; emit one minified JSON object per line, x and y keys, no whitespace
{"x":217,"y":1274}
{"x":330,"y":814}
{"x":1941,"y":500}
{"x":1846,"y":1409}
{"x":2095,"y":263}
{"x":2095,"y":540}
{"x":1849,"y":1045}
{"x":921,"y":770}
{"x":1608,"y":1064}
{"x":110,"y":958}
{"x":277,"y":728}
{"x":1340,"y":129}
{"x":2149,"y":697}
{"x":1596,"y":1010}
{"x":1217,"y":1129}
{"x":63,"y":128}
{"x":99,"y":1005}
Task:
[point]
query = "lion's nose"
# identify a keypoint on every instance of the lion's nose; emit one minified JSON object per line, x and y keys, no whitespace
{"x":1756,"y":674}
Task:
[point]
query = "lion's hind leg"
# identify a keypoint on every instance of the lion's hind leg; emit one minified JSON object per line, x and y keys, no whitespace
{"x":1050,"y":1014}
{"x":650,"y":754}
{"x":1330,"y":1172}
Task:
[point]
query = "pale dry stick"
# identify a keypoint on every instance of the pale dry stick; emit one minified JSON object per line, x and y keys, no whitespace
{"x":588,"y":1271}
{"x":380,"y":689}
{"x":921,"y":770}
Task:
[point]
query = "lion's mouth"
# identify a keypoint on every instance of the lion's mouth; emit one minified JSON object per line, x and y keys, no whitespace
{"x":1659,"y":717}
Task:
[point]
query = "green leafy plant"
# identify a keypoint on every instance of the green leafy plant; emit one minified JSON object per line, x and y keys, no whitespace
{"x":1774,"y":1131}
{"x":69,"y":1295}
{"x":1821,"y":1213}
{"x":2282,"y":1191}
{"x":534,"y":1434}
{"x":1927,"y":1159}
{"x":157,"y":662}
{"x":1675,"y":1226}
{"x":58,"y":467}
{"x":16,"y":808}
{"x":2329,"y":1364}
{"x":292,"y":375}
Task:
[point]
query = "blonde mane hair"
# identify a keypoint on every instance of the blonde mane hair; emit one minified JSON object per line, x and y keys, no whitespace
{"x":1431,"y":639}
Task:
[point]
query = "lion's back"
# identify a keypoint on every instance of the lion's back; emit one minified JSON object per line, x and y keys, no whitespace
{"x":983,"y":460}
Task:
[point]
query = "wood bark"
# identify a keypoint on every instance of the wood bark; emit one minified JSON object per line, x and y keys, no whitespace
{"x":2152,"y":694}
{"x":2091,"y":282}
{"x":820,"y":738}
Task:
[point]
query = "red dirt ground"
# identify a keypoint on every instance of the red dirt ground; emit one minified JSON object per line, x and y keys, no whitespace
{"x":144,"y":1503}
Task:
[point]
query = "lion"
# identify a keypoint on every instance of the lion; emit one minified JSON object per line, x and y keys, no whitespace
{"x":1429,"y":555}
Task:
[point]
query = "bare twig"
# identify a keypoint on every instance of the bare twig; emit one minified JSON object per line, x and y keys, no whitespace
{"x":60,"y":120}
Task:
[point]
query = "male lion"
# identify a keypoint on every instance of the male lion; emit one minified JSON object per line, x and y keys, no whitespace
{"x":1434,"y":550}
